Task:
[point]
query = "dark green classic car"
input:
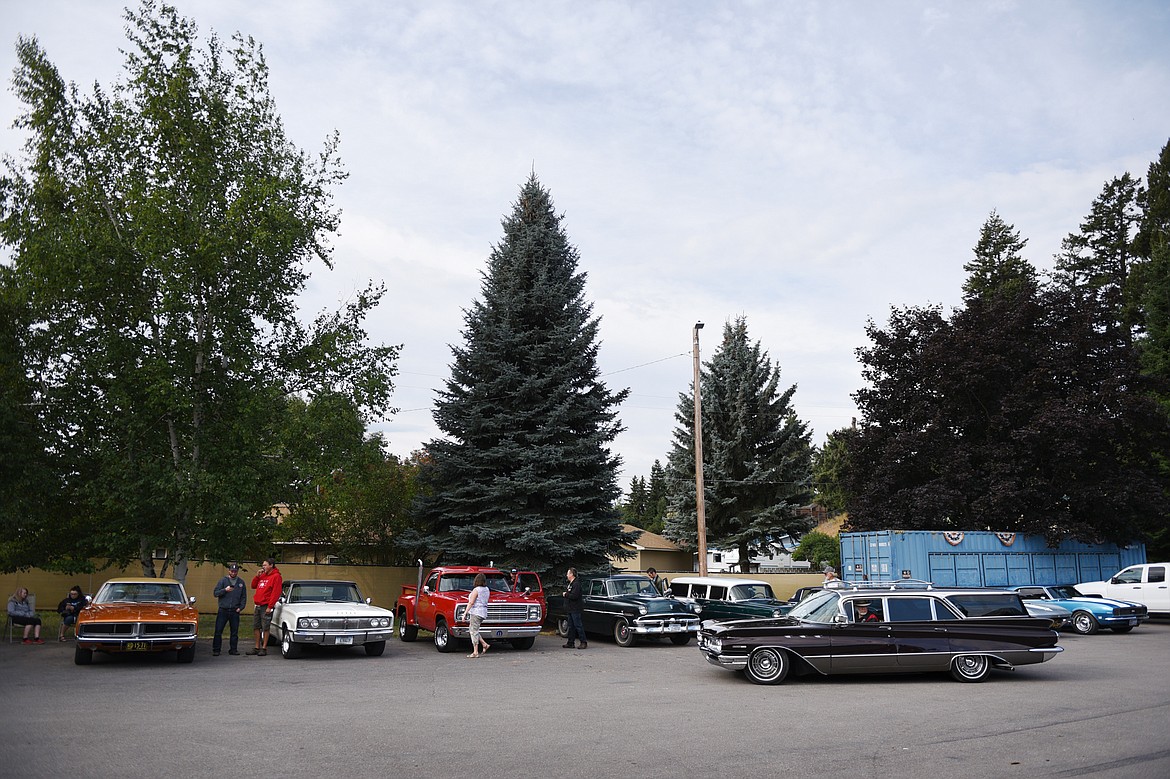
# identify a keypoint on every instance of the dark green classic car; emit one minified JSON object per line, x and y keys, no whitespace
{"x":628,"y":607}
{"x":723,"y":597}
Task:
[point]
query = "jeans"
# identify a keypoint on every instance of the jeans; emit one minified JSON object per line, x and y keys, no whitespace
{"x":576,"y":627}
{"x":226,"y":617}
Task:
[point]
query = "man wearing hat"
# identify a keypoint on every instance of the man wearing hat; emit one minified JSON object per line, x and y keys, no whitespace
{"x":233,"y":596}
{"x":863,"y":612}
{"x":830,"y":576}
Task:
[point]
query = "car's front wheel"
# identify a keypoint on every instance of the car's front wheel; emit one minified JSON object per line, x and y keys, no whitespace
{"x":1085,"y":623}
{"x":82,"y":656}
{"x":767,"y":666}
{"x":289,"y":649}
{"x":406,"y":631}
{"x":1122,"y":628}
{"x":375,"y":648}
{"x":623,"y":634}
{"x":443,"y":640}
{"x":522,"y":643}
{"x":971,"y":668}
{"x":680,"y":639}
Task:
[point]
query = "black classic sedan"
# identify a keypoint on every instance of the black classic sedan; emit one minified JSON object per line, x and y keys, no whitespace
{"x":885,"y":630}
{"x":629,"y":607}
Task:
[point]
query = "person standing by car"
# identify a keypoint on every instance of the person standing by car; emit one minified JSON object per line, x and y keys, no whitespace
{"x":21,"y":612}
{"x":267,"y":584}
{"x":831,"y":579}
{"x":574,"y":608}
{"x":653,"y":574}
{"x":69,"y":607}
{"x":477,"y":611}
{"x":233,"y":596}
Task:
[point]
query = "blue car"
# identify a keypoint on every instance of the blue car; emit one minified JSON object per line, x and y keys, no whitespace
{"x":1089,"y":614}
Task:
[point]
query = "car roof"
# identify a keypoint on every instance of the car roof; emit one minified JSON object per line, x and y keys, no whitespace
{"x":319,"y":581}
{"x":729,"y":581}
{"x":140,"y":580}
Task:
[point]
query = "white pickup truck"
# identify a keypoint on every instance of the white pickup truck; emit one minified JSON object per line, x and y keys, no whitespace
{"x":1145,"y":584}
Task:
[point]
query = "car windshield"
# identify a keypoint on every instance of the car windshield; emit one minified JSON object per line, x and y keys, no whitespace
{"x":465,"y":582}
{"x":1065,"y":591}
{"x":748,"y":591}
{"x":321,"y":592}
{"x":642,"y":586}
{"x":819,"y":607}
{"x":139,"y":592}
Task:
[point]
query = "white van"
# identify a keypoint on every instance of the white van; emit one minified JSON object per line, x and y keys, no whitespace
{"x":1145,"y":583}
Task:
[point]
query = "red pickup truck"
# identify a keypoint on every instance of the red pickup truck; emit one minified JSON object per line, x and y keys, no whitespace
{"x":516,"y":608}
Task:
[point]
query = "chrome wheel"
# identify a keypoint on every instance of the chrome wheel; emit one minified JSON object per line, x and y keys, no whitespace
{"x":971,"y":668}
{"x":623,"y":634}
{"x":767,"y":666}
{"x":288,"y":648}
{"x":1084,"y":623}
{"x":443,"y":640}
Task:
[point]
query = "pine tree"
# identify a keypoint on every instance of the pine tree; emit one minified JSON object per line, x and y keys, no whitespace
{"x":998,"y":265}
{"x":756,"y":453}
{"x":656,"y":498}
{"x":525,"y":476}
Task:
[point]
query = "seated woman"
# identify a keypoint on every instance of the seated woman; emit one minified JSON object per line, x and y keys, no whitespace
{"x":69,"y":608}
{"x":21,"y":612}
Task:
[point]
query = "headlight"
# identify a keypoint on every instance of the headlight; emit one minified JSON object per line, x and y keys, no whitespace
{"x":777,"y":613}
{"x":314,"y":623}
{"x":385,"y":622}
{"x":641,"y":609}
{"x":696,"y":608}
{"x":534,"y":614}
{"x":715,"y":645}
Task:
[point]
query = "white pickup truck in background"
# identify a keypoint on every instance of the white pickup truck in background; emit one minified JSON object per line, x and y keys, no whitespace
{"x":1145,"y":584}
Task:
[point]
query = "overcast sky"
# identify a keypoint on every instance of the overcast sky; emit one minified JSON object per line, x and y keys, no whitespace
{"x":807,"y":165}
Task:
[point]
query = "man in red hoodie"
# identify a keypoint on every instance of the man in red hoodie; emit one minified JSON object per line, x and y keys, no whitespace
{"x":267,"y":584}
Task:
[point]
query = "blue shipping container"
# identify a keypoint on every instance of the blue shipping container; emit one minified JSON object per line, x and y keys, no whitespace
{"x":979,"y":558}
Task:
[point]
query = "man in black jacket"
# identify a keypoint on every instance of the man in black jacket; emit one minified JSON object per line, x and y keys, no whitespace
{"x":574,"y":605}
{"x":233,"y":596}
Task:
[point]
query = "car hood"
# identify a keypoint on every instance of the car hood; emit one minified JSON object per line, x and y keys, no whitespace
{"x":138,"y":612}
{"x":765,"y":602}
{"x":653,"y":605}
{"x":319,"y":608}
{"x":1110,"y":602}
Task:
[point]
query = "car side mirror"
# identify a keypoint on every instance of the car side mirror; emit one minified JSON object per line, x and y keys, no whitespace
{"x":840,"y":619}
{"x":191,"y":600}
{"x":426,"y":590}
{"x":369,"y":601}
{"x":1115,"y":580}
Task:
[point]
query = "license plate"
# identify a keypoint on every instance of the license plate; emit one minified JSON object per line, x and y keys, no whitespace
{"x":674,"y":628}
{"x":343,"y":640}
{"x":136,"y":646}
{"x":1132,"y":622}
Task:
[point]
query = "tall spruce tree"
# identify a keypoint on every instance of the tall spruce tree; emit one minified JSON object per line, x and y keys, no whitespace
{"x":757,"y":458}
{"x":998,"y":265}
{"x":525,"y":476}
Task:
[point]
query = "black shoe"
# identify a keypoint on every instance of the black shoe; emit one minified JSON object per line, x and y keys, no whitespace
{"x":567,"y":646}
{"x":252,"y":652}
{"x":263,"y":653}
{"x":584,"y":645}
{"x":231,"y":652}
{"x":215,"y":653}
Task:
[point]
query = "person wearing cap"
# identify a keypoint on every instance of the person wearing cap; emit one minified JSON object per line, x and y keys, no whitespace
{"x":830,"y":576}
{"x":233,"y":596}
{"x":863,"y":613}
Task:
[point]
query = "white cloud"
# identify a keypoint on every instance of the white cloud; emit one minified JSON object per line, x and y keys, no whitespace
{"x":807,"y":165}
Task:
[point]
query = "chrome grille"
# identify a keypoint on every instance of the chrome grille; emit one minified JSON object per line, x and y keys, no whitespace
{"x":507,"y":612}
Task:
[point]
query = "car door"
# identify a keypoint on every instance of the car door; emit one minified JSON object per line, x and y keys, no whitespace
{"x":595,"y":604}
{"x":922,"y":641}
{"x":863,"y":646}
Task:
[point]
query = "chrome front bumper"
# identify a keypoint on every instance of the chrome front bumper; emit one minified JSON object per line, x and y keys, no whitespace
{"x":497,"y":631}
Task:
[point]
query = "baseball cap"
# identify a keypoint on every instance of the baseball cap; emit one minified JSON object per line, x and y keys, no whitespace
{"x":233,"y":567}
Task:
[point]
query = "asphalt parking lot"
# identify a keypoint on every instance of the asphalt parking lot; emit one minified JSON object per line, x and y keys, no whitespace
{"x":1100,"y":709}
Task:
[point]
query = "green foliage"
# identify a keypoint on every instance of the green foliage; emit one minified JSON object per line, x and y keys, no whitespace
{"x":645,"y":505}
{"x":756,"y":453}
{"x":819,"y":549}
{"x":998,"y":265}
{"x":1020,"y":412}
{"x":161,"y":233}
{"x":829,"y":468}
{"x":525,"y":476}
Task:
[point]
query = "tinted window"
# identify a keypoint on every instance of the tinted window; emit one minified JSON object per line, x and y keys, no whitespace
{"x":679,"y":590}
{"x":1031,"y":592}
{"x":718,"y":593}
{"x":909,"y":609}
{"x":1157,"y":573}
{"x":989,"y":605}
{"x":597,"y":588}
